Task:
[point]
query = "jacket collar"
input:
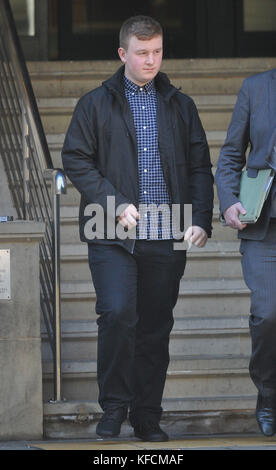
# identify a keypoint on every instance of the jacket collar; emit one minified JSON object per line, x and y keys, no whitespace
{"x":162,"y":83}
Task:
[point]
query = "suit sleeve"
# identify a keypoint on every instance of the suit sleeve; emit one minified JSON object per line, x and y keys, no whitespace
{"x":232,"y":156}
{"x":79,"y":157}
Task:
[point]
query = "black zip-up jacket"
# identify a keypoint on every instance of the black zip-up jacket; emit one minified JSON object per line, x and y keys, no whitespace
{"x":100,"y":152}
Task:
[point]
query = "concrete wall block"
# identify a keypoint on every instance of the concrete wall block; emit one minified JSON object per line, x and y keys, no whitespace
{"x":21,"y":405}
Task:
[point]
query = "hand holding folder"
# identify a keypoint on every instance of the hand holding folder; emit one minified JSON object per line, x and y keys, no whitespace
{"x":255,"y":185}
{"x":254,"y":189}
{"x":232,"y":216}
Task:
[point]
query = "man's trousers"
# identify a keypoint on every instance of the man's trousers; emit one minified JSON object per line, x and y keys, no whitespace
{"x":259,"y":270}
{"x":136,"y":294}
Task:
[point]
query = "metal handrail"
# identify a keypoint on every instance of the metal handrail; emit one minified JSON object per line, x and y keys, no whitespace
{"x":29,"y":167}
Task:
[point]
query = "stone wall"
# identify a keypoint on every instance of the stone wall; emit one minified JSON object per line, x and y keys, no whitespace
{"x":21,"y":407}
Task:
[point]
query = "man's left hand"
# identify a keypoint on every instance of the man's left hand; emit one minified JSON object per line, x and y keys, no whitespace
{"x":196,"y":235}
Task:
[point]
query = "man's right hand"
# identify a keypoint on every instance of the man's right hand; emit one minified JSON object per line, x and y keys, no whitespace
{"x":231,"y":216}
{"x":129,"y":217}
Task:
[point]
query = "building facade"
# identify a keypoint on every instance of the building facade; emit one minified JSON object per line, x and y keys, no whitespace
{"x":88,"y":29}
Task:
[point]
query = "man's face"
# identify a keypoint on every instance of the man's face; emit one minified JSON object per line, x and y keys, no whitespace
{"x":142,"y":59}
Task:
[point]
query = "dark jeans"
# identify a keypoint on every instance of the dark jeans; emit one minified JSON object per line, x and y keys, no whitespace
{"x":136,"y":294}
{"x":259,"y":270}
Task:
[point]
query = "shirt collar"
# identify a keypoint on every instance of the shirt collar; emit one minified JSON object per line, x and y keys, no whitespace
{"x":129,"y":85}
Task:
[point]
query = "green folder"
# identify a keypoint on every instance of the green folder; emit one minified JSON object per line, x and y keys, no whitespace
{"x":253,"y":193}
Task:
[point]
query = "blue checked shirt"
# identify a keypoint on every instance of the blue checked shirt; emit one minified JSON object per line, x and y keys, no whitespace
{"x":152,"y":186}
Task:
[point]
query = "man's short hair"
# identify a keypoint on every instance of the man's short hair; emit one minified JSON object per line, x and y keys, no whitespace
{"x":143,"y":27}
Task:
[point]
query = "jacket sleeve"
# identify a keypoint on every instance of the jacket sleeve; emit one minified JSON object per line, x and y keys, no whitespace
{"x":201,"y":180}
{"x":79,"y":157}
{"x":232,"y":156}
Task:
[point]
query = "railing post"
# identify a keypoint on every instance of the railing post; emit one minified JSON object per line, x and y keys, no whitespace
{"x":58,"y":188}
{"x":58,"y":182}
{"x":26,"y":165}
{"x":57,"y":302}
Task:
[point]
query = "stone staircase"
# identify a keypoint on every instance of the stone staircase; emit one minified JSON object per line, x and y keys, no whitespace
{"x":208,"y":388}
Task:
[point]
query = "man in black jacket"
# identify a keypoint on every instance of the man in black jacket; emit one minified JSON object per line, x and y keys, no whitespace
{"x":134,"y":144}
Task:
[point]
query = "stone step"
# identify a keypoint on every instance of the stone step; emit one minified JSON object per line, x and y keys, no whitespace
{"x":216,"y":402}
{"x":72,"y":196}
{"x":79,"y":409}
{"x":211,"y":336}
{"x":215,"y":297}
{"x":59,"y":105}
{"x":208,"y":383}
{"x":195,"y":76}
{"x":188,"y":363}
{"x":198,"y":286}
{"x":186,"y":67}
{"x":72,"y":86}
{"x":215,"y":260}
{"x":189,"y":325}
{"x":69,"y":227}
{"x":193,"y":326}
{"x":226,"y":341}
{"x":177,"y":363}
{"x":221,"y":232}
{"x":184,"y":416}
{"x":181,"y":417}
{"x":215,"y":112}
{"x":80,"y":381}
{"x":215,"y":140}
{"x":69,"y":214}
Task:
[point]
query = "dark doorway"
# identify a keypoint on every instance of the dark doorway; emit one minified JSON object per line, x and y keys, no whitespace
{"x":89,"y":29}
{"x":256,"y":28}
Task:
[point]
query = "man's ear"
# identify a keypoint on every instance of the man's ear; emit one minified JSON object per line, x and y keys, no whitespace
{"x":122,"y":54}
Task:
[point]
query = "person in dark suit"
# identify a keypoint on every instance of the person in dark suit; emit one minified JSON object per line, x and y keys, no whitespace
{"x":253,"y":125}
{"x":138,"y":140}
